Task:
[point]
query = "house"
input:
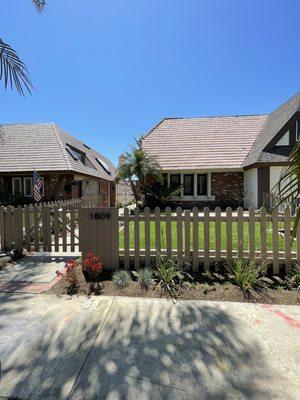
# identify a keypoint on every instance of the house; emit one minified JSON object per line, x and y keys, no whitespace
{"x":68,"y":168}
{"x":225,"y":160}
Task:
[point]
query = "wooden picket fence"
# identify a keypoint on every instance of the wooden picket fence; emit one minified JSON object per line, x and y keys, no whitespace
{"x":178,"y":234}
{"x":193,"y":236}
{"x":52,"y":226}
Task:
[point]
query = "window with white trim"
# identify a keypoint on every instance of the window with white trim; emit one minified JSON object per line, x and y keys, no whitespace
{"x":201,"y":184}
{"x":188,"y":185}
{"x":16,"y":186}
{"x":28,"y":187}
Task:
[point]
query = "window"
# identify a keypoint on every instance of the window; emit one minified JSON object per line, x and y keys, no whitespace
{"x":103,"y":165}
{"x":188,"y":185}
{"x":28,"y":187}
{"x":76,"y":154}
{"x":174,"y":181}
{"x":201,"y":185}
{"x":297,"y":129}
{"x":16,"y":186}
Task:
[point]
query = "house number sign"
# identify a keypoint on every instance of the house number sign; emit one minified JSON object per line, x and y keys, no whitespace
{"x":100,"y":216}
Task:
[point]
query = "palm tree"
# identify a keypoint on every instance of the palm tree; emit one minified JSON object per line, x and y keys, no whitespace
{"x":288,"y":188}
{"x":138,"y":169}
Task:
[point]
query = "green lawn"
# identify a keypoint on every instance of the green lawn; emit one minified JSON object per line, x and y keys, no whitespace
{"x":200,"y":235}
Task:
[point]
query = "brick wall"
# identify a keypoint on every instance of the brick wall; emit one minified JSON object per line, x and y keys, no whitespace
{"x":106,"y":195}
{"x":227,"y":187}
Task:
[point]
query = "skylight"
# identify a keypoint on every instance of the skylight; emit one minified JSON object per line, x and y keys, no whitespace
{"x":72,"y":153}
{"x":103,"y":165}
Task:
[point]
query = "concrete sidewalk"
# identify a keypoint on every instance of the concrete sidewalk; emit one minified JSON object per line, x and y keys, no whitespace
{"x":34,"y":273}
{"x":125,"y":348}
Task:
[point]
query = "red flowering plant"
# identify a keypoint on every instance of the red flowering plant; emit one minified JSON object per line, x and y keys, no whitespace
{"x":92,"y":268}
{"x":71,"y":277}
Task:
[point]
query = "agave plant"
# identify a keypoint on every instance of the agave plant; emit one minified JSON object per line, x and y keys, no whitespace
{"x":162,"y":194}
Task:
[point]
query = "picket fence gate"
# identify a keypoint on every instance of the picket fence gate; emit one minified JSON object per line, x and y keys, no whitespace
{"x":52,"y":226}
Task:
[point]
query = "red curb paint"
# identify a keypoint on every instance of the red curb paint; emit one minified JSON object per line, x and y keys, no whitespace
{"x":289,"y":320}
{"x":27,"y":287}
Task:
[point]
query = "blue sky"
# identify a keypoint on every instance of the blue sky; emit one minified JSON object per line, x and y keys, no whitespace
{"x":107,"y":71}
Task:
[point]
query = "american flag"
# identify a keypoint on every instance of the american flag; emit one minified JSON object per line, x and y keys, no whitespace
{"x":37,"y":184}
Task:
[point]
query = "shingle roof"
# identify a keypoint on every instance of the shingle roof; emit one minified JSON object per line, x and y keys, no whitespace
{"x":276,"y":120}
{"x":203,"y":143}
{"x":43,"y":147}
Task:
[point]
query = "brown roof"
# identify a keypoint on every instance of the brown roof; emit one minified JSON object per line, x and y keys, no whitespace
{"x":43,"y":147}
{"x":203,"y":143}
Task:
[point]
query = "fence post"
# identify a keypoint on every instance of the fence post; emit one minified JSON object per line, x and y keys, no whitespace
{"x":147,"y":237}
{"x":287,"y":240}
{"x":275,"y":242}
{"x":137,"y":238}
{"x":251,"y":233}
{"x":8,"y":228}
{"x":126,"y":238}
{"x":179,"y":235}
{"x":206,"y":239}
{"x":195,"y":239}
{"x":18,"y":221}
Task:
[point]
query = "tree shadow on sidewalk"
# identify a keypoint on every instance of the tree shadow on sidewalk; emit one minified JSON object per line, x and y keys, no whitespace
{"x":145,"y":350}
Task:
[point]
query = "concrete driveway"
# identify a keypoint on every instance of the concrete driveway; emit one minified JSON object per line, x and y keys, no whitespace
{"x":122,"y":348}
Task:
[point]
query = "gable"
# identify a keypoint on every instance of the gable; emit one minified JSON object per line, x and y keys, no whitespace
{"x":268,"y":146}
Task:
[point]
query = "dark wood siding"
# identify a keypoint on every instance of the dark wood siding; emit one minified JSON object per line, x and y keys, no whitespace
{"x":263,"y":185}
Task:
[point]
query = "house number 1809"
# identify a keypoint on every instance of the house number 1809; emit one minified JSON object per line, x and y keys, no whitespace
{"x":100,"y":215}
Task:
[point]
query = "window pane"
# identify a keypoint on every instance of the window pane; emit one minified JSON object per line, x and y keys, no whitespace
{"x":17,"y":186}
{"x":201,"y":184}
{"x":188,"y":185}
{"x":28,"y":187}
{"x":174,"y":181}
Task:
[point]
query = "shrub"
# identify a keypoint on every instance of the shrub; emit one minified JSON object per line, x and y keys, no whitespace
{"x":93,"y":268}
{"x":144,"y":277}
{"x":71,"y":277}
{"x":171,"y":275}
{"x":246,"y":273}
{"x":121,"y":278}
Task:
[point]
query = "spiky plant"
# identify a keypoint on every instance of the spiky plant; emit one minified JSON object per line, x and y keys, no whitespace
{"x":121,"y":278}
{"x":145,"y":276}
{"x":246,"y":273}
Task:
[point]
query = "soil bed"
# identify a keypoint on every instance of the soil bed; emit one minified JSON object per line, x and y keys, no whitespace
{"x":200,"y":291}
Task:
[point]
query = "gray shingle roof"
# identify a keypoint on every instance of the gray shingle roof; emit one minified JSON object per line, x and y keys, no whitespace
{"x":43,"y":147}
{"x":203,"y":143}
{"x":276,"y":120}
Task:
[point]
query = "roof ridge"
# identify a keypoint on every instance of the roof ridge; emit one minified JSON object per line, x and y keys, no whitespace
{"x":28,"y":123}
{"x":61,"y":146}
{"x":217,"y":116}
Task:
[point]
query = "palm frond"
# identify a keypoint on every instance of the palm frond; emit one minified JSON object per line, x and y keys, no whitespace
{"x":12,"y":70}
{"x":39,"y":5}
{"x":287,"y":189}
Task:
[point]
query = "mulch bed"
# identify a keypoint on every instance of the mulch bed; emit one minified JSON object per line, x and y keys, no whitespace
{"x":201,"y":291}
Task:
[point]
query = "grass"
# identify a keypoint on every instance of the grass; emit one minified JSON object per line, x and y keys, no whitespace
{"x":201,"y":235}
